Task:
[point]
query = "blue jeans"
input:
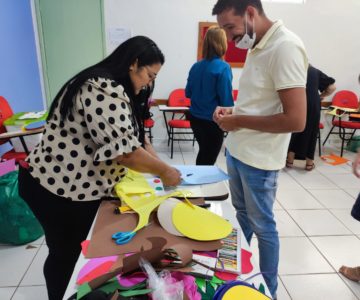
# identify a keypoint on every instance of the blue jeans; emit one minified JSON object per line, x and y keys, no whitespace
{"x":253,"y":194}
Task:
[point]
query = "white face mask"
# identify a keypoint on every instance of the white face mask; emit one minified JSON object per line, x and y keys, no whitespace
{"x":247,"y":42}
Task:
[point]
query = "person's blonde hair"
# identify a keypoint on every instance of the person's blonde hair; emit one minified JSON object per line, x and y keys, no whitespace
{"x":215,"y":43}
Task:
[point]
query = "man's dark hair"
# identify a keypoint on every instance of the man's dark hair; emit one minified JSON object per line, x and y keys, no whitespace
{"x":238,"y":5}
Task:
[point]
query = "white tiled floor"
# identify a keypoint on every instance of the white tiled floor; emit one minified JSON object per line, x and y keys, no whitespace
{"x":317,"y":234}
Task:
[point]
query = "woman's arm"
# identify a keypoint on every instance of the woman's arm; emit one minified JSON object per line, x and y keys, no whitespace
{"x":149,"y":147}
{"x":328,"y":91}
{"x":142,"y":161}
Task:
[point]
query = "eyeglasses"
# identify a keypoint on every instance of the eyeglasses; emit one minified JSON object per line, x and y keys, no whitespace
{"x":152,"y":75}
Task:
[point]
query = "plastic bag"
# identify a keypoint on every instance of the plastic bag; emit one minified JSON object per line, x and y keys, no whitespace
{"x":18,"y":224}
{"x":163,"y":286}
{"x":354,"y":144}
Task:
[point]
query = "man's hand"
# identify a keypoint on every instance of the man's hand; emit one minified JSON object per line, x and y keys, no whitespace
{"x":228,"y":122}
{"x":220,"y":112}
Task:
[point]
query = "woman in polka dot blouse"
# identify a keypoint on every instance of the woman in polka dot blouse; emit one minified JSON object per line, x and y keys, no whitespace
{"x":92,"y":135}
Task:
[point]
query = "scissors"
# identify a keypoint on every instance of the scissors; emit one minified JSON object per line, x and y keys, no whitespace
{"x":122,"y":238}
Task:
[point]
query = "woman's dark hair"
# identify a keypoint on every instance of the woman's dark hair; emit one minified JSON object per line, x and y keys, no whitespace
{"x":238,"y":5}
{"x":142,"y":109}
{"x":115,"y":67}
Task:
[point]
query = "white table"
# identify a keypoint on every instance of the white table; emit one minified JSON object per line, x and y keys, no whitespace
{"x":219,"y":207}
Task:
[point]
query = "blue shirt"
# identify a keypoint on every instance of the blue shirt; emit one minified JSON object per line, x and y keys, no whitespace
{"x":209,"y":85}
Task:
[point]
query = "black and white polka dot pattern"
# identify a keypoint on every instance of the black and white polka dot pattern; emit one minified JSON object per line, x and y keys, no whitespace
{"x":77,"y":158}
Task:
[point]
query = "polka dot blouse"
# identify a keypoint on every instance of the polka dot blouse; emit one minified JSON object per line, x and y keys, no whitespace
{"x":76,"y":158}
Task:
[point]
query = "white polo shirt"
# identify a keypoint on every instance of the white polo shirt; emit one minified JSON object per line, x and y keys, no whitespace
{"x":277,"y":62}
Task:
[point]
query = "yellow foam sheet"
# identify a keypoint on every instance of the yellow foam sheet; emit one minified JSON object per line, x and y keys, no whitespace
{"x":199,"y":224}
{"x":244,"y":292}
{"x":136,"y":192}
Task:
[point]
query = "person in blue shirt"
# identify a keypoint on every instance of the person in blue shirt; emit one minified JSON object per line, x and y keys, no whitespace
{"x":209,"y":85}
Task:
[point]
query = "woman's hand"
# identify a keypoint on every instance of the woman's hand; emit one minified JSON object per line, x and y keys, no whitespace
{"x":171,"y":177}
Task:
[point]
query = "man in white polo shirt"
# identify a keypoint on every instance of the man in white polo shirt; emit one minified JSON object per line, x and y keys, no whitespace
{"x":271,"y":104}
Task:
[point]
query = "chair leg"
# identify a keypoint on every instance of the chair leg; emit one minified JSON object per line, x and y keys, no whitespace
{"x":150,"y":136}
{"x":332,"y":128}
{"x":342,"y":145}
{"x":172,"y":142}
{"x":319,"y":139}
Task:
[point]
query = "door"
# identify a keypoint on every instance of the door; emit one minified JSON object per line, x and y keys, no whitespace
{"x":71,"y":38}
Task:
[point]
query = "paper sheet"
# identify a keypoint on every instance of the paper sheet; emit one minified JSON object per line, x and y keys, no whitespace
{"x":192,"y":174}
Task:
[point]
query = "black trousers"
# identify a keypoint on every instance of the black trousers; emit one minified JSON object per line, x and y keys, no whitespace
{"x":66,"y":224}
{"x":209,"y":137}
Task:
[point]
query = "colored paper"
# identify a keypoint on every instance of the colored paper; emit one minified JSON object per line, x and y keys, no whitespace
{"x":164,"y":214}
{"x":334,"y":159}
{"x":4,"y":148}
{"x":107,"y":223}
{"x":137,"y":193}
{"x":243,"y":292}
{"x":200,"y":224}
{"x":94,"y":268}
{"x":84,"y":247}
{"x":191,"y":174}
{"x":132,"y":279}
{"x":7,"y":166}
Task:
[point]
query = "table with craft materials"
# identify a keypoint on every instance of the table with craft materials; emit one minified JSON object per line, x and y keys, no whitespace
{"x":215,"y":198}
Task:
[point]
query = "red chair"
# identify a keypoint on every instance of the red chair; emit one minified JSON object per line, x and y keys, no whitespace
{"x":343,"y":102}
{"x":148,"y":124}
{"x":178,"y":127}
{"x":321,"y":126}
{"x":5,"y":113}
{"x":235,"y":94}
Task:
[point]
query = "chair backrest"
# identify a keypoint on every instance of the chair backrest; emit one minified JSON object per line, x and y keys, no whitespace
{"x":177,"y":98}
{"x":235,"y":93}
{"x":345,"y":98}
{"x":5,"y":113}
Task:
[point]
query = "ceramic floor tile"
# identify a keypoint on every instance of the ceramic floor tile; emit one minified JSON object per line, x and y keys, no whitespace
{"x":313,"y":180}
{"x":189,"y":158}
{"x":34,"y":275}
{"x":14,"y":262}
{"x":277,"y":206}
{"x":353,"y":192}
{"x":333,"y":198}
{"x":286,"y":182}
{"x":286,"y":225}
{"x":345,"y":217}
{"x":318,"y":222}
{"x":339,"y":250}
{"x":297,"y":199}
{"x":317,"y":287}
{"x":30,"y":293}
{"x":6,"y":292}
{"x":299,"y":256}
{"x":330,"y":169}
{"x":344,"y":181}
{"x":39,"y":241}
{"x":176,"y":160}
{"x":354,"y":286}
{"x":281,"y":291}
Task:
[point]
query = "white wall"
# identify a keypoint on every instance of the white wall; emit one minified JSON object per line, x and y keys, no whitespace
{"x":329,"y":28}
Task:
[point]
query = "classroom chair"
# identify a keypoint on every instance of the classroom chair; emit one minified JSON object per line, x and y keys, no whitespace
{"x":179,"y":128}
{"x":343,"y":102}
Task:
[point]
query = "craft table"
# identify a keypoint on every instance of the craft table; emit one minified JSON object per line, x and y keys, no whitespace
{"x":215,"y":194}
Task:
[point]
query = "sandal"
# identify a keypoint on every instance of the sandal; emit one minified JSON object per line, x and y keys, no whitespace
{"x":310,"y":167}
{"x":289,"y":164}
{"x":350,"y":273}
